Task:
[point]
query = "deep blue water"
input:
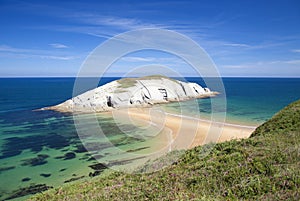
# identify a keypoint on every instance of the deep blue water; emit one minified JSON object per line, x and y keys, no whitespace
{"x":42,"y":147}
{"x":255,"y":100}
{"x":32,"y":93}
{"x":268,"y":94}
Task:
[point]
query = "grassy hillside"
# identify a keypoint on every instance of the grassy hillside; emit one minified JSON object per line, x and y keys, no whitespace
{"x":263,"y":167}
{"x":286,"y":120}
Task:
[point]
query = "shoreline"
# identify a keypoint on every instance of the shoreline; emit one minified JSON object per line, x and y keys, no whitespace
{"x":188,"y":132}
{"x":229,"y":119}
{"x":206,"y":120}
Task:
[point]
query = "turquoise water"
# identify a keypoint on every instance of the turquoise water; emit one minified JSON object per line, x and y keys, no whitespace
{"x":41,"y":149}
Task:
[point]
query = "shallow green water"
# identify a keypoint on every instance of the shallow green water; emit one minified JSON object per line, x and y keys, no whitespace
{"x":43,"y":147}
{"x":49,"y":151}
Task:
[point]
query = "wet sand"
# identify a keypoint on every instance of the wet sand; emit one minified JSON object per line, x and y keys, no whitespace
{"x":186,"y":132}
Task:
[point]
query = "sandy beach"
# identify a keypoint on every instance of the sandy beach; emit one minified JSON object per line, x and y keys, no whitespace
{"x":186,"y":132}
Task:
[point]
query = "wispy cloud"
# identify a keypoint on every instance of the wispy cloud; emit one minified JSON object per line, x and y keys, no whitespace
{"x":276,"y":68}
{"x":6,"y":48}
{"x":262,"y":45}
{"x":162,"y":60}
{"x":118,"y":22}
{"x":58,"y":45}
{"x":100,"y":26}
{"x":236,"y":66}
{"x":293,"y":62}
{"x":109,"y":25}
{"x":296,"y":50}
{"x":20,"y":53}
{"x":259,"y":64}
{"x":137,"y":59}
{"x":237,"y":45}
{"x":104,"y":25}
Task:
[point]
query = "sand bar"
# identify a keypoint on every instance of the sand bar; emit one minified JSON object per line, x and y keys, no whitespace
{"x":187,"y":132}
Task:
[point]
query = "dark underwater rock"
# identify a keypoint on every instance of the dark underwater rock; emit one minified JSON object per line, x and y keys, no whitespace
{"x":73,"y":179}
{"x":67,"y":156}
{"x":80,"y":149}
{"x":6,"y":168}
{"x":14,"y":146}
{"x":70,"y":155}
{"x":32,"y":189}
{"x":26,"y":179}
{"x":96,"y":173}
{"x":39,"y":160}
{"x":45,"y":175}
{"x":99,"y":168}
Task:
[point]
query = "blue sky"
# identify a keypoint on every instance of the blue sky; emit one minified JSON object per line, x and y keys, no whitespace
{"x":243,"y":38}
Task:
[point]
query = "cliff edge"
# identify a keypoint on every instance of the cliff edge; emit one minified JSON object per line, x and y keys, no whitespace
{"x":133,"y":92}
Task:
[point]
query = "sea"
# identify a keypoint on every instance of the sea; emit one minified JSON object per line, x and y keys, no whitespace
{"x":41,"y":149}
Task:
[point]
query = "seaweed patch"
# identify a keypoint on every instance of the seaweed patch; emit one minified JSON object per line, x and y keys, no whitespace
{"x":39,"y":160}
{"x":32,"y":189}
{"x":45,"y":175}
{"x":67,"y":156}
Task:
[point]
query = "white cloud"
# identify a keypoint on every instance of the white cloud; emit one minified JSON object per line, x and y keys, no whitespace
{"x":296,"y":50}
{"x":137,"y":59}
{"x":257,"y":46}
{"x":58,"y":45}
{"x":293,"y":61}
{"x":156,"y":60}
{"x":20,"y":53}
{"x":275,"y":68}
{"x":236,"y":66}
{"x":113,"y":22}
{"x":6,"y":48}
{"x":259,"y":64}
{"x":236,"y":45}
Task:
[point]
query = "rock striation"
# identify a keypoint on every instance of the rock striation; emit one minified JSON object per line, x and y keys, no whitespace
{"x":133,"y":92}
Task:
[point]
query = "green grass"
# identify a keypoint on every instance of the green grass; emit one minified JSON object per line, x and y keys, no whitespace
{"x":127,"y":82}
{"x":263,"y":167}
{"x":130,"y":82}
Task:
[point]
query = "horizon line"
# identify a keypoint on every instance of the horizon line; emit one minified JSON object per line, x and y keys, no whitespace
{"x":138,"y":76}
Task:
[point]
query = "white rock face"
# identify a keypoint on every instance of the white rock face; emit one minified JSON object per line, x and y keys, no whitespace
{"x":133,"y":92}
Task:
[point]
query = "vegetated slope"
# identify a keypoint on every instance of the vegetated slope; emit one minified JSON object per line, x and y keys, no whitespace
{"x":286,"y":120}
{"x":263,"y":167}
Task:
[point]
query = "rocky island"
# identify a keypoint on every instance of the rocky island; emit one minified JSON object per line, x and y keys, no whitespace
{"x":133,"y":92}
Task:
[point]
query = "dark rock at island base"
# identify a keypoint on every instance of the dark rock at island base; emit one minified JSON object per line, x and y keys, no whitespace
{"x":26,"y":179}
{"x":32,"y":189}
{"x":39,"y":160}
{"x":67,"y":156}
{"x":45,"y":175}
